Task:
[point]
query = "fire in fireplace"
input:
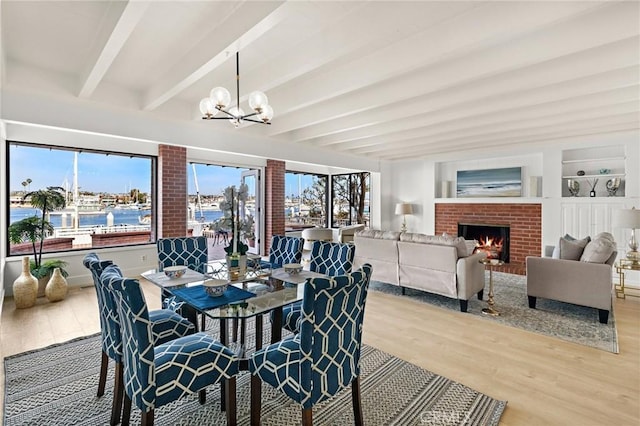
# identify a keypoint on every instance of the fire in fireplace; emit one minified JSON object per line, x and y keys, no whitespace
{"x":491,"y":239}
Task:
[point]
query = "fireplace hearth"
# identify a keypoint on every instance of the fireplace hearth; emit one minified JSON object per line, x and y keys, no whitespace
{"x":491,"y":239}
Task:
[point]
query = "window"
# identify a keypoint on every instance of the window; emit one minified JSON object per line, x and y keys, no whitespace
{"x":305,"y":199}
{"x":107,"y":197}
{"x":350,"y":199}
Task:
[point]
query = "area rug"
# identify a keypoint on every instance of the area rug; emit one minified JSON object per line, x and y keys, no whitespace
{"x":57,"y":386}
{"x":565,"y":321}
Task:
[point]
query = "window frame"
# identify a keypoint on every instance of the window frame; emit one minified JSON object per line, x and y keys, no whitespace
{"x":153,"y":193}
{"x":325,"y":202}
{"x":350,"y":220}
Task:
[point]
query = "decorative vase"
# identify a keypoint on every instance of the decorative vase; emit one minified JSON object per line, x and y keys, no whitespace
{"x":25,"y":287}
{"x":237,"y":266}
{"x":57,"y":287}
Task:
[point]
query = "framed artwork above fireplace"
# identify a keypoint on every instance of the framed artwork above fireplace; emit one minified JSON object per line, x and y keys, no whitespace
{"x":503,"y":182}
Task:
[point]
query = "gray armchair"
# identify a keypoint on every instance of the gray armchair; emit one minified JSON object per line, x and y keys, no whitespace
{"x":571,"y":281}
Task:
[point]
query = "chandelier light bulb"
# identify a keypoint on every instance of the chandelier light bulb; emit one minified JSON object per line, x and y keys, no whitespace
{"x":267,"y":114}
{"x":257,"y":101}
{"x":207,"y":108}
{"x":237,"y":113}
{"x":220,"y":97}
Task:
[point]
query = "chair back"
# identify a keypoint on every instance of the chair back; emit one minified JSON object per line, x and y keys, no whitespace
{"x":331,"y":333}
{"x":311,"y":235}
{"x":109,"y":321}
{"x":190,"y":251}
{"x":332,"y":258}
{"x":285,"y":250}
{"x":138,"y":348}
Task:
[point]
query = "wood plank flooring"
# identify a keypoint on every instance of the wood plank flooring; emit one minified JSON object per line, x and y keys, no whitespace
{"x":546,"y":381}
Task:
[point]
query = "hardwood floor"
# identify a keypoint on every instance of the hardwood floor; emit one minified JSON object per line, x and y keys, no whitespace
{"x":546,"y":381}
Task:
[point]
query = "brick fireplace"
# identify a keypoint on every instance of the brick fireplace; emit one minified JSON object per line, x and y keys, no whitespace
{"x":524,"y":220}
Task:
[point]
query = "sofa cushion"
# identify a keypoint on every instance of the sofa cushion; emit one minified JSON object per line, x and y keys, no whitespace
{"x":571,"y":249}
{"x":599,"y":250}
{"x":443,"y":240}
{"x":382,"y":235}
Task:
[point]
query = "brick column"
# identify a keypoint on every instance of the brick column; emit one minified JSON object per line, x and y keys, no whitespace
{"x":274,"y":200}
{"x":172,"y":191}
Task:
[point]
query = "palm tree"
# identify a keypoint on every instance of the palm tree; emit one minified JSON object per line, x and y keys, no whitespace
{"x":47,"y":200}
{"x":31,"y":229}
{"x":29,"y":184}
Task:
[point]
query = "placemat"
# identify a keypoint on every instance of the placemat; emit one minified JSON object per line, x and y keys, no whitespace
{"x":199,"y":299}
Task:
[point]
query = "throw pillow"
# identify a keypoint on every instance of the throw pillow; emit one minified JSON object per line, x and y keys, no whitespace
{"x":471,"y":246}
{"x":572,"y":250}
{"x":598,"y":251}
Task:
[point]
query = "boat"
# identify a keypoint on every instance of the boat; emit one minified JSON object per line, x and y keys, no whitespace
{"x":144,"y":220}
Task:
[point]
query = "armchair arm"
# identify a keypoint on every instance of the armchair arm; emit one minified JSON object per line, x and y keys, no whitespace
{"x":470,"y":275}
{"x":572,"y":281}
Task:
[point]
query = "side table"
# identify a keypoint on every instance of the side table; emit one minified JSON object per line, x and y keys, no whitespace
{"x":490,"y":264}
{"x":622,"y":266}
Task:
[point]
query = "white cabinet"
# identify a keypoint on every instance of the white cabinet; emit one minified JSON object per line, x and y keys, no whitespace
{"x":587,"y":167}
{"x":581,"y":218}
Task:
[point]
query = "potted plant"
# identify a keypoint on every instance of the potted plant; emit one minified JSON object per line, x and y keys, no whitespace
{"x":35,"y":229}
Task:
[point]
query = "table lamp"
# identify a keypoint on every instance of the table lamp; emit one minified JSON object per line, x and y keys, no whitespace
{"x":404,"y":209}
{"x":630,"y":219}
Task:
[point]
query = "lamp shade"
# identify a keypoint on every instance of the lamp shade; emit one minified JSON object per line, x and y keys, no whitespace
{"x":404,"y":208}
{"x":627,"y":218}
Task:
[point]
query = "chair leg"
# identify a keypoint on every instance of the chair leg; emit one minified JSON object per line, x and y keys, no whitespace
{"x":147,"y":418}
{"x":603,"y":316}
{"x":256,"y":400}
{"x":532,"y":302}
{"x":118,"y":392}
{"x":357,"y":405}
{"x":203,"y":327}
{"x":234,"y":327}
{"x":202,"y":396}
{"x":307,"y":417}
{"x":102,"y":380}
{"x":230,"y":391}
{"x":126,"y":411}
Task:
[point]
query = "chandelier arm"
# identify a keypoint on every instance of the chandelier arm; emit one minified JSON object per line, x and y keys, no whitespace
{"x":255,"y":121}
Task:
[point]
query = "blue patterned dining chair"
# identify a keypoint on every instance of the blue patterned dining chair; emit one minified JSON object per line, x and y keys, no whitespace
{"x":324,"y":358}
{"x":165,"y":325}
{"x":327,"y":258}
{"x":284,"y":250}
{"x":155,"y":375}
{"x":189,"y":251}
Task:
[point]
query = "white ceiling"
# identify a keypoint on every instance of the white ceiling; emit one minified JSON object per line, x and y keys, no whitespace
{"x":386,"y":80}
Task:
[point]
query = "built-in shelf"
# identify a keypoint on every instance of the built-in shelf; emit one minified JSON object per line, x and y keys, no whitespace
{"x":593,"y":160}
{"x":593,"y":176}
{"x":589,"y":162}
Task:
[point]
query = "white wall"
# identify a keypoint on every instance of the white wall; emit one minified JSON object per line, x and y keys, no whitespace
{"x":419,"y":180}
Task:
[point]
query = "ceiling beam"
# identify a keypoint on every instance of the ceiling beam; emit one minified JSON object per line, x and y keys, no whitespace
{"x":131,"y":15}
{"x":260,"y":18}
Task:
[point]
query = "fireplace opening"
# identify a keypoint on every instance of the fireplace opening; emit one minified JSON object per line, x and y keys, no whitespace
{"x":491,"y":239}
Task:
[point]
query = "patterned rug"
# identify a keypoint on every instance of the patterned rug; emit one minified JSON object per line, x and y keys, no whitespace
{"x":565,"y":321}
{"x":57,"y":386}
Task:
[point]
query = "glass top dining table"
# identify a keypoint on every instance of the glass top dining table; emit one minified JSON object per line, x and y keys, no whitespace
{"x":269,"y":291}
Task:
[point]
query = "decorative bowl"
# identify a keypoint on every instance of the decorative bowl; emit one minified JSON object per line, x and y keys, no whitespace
{"x":292,"y":268}
{"x":173,"y":272}
{"x":215,"y":288}
{"x":604,"y":171}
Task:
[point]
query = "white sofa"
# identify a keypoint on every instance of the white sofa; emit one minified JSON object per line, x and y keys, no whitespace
{"x":434,"y":264}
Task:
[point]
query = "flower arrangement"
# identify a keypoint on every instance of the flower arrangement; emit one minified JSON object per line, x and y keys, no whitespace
{"x":233,"y":198}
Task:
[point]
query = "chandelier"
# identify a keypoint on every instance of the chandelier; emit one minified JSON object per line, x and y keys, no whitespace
{"x":220,"y":98}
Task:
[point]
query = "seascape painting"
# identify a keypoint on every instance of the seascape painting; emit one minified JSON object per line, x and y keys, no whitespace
{"x":506,"y":182}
